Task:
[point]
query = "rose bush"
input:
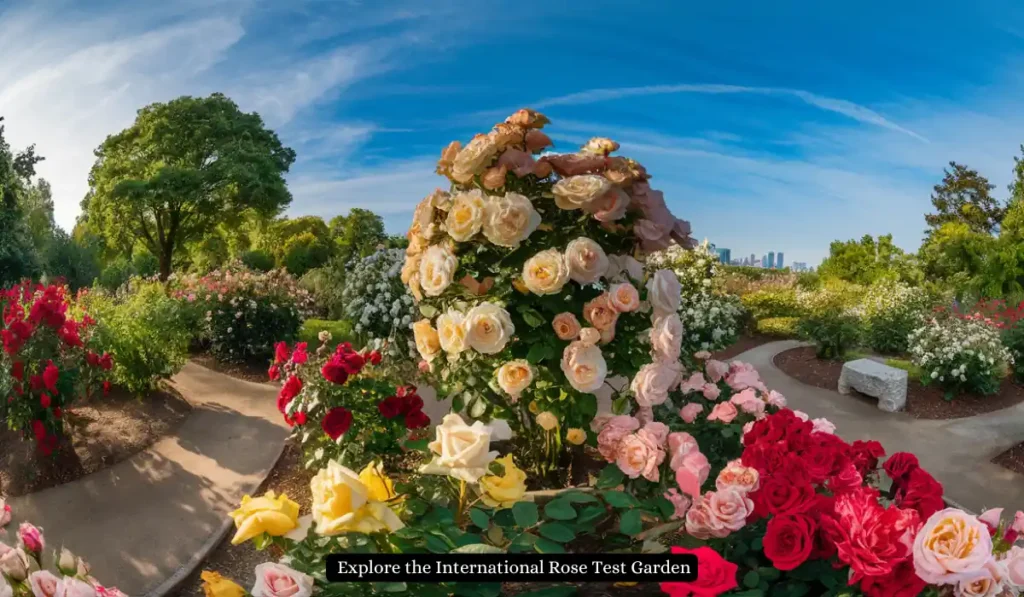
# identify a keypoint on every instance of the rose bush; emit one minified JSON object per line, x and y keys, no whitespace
{"x":960,"y":354}
{"x":379,"y":305}
{"x":891,"y":310}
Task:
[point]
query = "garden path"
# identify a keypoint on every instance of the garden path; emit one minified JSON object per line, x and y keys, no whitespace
{"x":957,"y":452}
{"x":145,"y":523}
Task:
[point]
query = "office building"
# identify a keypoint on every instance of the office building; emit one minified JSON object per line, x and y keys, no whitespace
{"x":799,"y":266}
{"x":771,"y":260}
{"x":778,"y":260}
{"x":764,"y":261}
{"x":752,"y":259}
{"x":724,"y":255}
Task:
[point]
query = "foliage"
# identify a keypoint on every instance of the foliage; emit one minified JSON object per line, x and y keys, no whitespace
{"x":358,"y":234}
{"x":115,"y":274}
{"x":339,"y":330}
{"x":867,"y":261}
{"x":783,"y":327}
{"x":833,"y":332}
{"x":325,"y":285}
{"x":67,"y":259}
{"x":305,"y":252}
{"x":379,"y":306}
{"x":181,"y":169}
{"x":763,"y":304}
{"x":1013,"y":340}
{"x":257,"y":260}
{"x":954,"y":249}
{"x":960,"y":354}
{"x":145,"y":264}
{"x":19,"y":256}
{"x":48,"y":353}
{"x":964,"y":196}
{"x":891,"y":310}
{"x":908,"y":366}
{"x":833,"y":295}
{"x":147,"y":332}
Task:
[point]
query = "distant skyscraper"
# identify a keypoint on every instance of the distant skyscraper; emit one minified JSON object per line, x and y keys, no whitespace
{"x":771,"y":260}
{"x":752,"y":259}
{"x":764,"y":261}
{"x":778,"y":260}
{"x":724,"y":255}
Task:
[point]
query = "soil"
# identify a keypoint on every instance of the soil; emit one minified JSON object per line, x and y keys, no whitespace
{"x":741,"y":345}
{"x":923,"y":402}
{"x":246,"y":371}
{"x":103,"y":431}
{"x":1012,"y":459}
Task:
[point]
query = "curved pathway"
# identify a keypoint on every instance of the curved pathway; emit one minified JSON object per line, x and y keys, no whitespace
{"x":145,"y":523}
{"x":957,"y":452}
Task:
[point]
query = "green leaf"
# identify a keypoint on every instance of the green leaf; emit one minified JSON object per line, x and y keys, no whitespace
{"x":619,"y":499}
{"x":578,"y":497}
{"x":468,"y":539}
{"x":531,"y":316}
{"x":436,"y":545}
{"x":525,"y":514}
{"x":428,"y":311}
{"x":390,"y":587}
{"x":480,"y":518}
{"x":262,"y":541}
{"x":751,"y":579}
{"x":542,"y":545}
{"x":557,"y":531}
{"x":559,"y":509}
{"x":560,"y":591}
{"x":757,"y":544}
{"x":590,"y":514}
{"x":611,"y":476}
{"x":631,"y":523}
{"x":727,"y":432}
{"x":419,"y":445}
{"x":478,"y":548}
{"x":504,"y":518}
{"x":539,"y":352}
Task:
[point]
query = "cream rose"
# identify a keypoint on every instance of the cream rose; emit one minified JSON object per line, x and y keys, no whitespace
{"x":342,"y":503}
{"x":584,"y":366}
{"x":70,"y":586}
{"x":590,"y":336}
{"x":509,"y":220}
{"x":600,"y":313}
{"x":451,"y":331}
{"x":654,"y":381}
{"x":428,"y":343}
{"x":576,"y":192}
{"x":466,"y":216}
{"x":664,"y":292}
{"x":952,"y":546}
{"x":437,"y":269}
{"x":727,"y":511}
{"x":488,"y":328}
{"x":611,"y":206}
{"x":667,"y":337}
{"x":586,"y":260}
{"x":624,"y":297}
{"x":473,"y":158}
{"x":460,"y":450}
{"x":566,"y":326}
{"x":514,"y":377}
{"x":546,"y":272}
{"x":599,"y":146}
{"x":278,"y":580}
{"x":547,"y":421}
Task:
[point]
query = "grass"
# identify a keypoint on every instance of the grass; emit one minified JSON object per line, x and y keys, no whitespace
{"x":912,"y":370}
{"x":341,"y":331}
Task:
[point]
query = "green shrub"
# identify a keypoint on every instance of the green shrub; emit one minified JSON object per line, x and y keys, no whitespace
{"x":833,"y":296}
{"x":115,"y":274}
{"x":891,"y":310}
{"x":960,"y":354}
{"x":783,"y":327}
{"x":764,"y":304}
{"x":148,"y":334}
{"x":245,"y":325}
{"x":305,"y":252}
{"x":257,"y":260}
{"x":340,"y":330}
{"x":145,"y":264}
{"x":834,"y":333}
{"x":327,"y":287}
{"x":1013,"y":339}
{"x":75,"y":263}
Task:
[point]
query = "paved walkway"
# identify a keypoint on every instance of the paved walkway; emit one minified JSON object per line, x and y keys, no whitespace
{"x":957,"y":452}
{"x":146,"y":522}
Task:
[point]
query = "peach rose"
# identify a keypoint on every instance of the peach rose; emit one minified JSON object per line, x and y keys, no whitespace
{"x":574,"y":164}
{"x":567,"y":327}
{"x":727,"y":511}
{"x":488,"y":328}
{"x":473,"y":158}
{"x":518,"y":162}
{"x":611,"y":433}
{"x":689,"y":412}
{"x":590,"y":336}
{"x":624,"y":297}
{"x":444,"y":165}
{"x":600,"y":313}
{"x":653,"y":382}
{"x":611,"y":206}
{"x":509,"y":220}
{"x":528,"y":119}
{"x":505,"y":134}
{"x":494,"y":177}
{"x":586,"y":259}
{"x":989,"y":583}
{"x":724,"y":412}
{"x":542,"y":169}
{"x":667,"y":337}
{"x":428,"y":343}
{"x":514,"y":377}
{"x":536,"y":141}
{"x":546,"y":272}
{"x":639,"y":455}
{"x":584,"y":366}
{"x":437,"y":270}
{"x":466,"y":216}
{"x":599,"y":146}
{"x":952,"y":546}
{"x":576,"y":192}
{"x":451,"y":331}
{"x":741,"y":478}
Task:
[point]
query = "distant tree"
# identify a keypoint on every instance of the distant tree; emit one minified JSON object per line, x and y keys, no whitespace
{"x":19,"y":257}
{"x":305,"y":252}
{"x":965,"y":196}
{"x":181,"y":169}
{"x":37,"y":210}
{"x":867,"y":260}
{"x":358,"y":234}
{"x":956,"y":249}
{"x":77,"y":263}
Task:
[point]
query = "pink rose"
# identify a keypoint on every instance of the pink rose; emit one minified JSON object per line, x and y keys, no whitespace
{"x":990,"y":517}
{"x":43,"y":583}
{"x":278,"y":580}
{"x":680,"y":443}
{"x":73,"y":587}
{"x":689,"y":412}
{"x":743,"y":379}
{"x":599,"y":421}
{"x":5,"y":513}
{"x":823,"y":425}
{"x":711,"y":391}
{"x":611,"y":435}
{"x":693,"y":383}
{"x":1014,"y":563}
{"x":652,"y":237}
{"x":645,"y":414}
{"x":680,"y":503}
{"x":801,"y":415}
{"x":536,"y":140}
{"x":659,"y":431}
{"x":624,"y":297}
{"x":698,"y":519}
{"x":716,"y":370}
{"x":1016,"y":528}
{"x":573,"y":164}
{"x":692,"y":472}
{"x":738,"y":477}
{"x":989,"y":582}
{"x":776,"y":399}
{"x":749,"y":402}
{"x":727,"y":511}
{"x":952,"y":546}
{"x":611,"y":206}
{"x":518,"y":161}
{"x":653,"y":382}
{"x":724,"y":412}
{"x":667,"y":337}
{"x":640,"y":455}
{"x":31,"y":538}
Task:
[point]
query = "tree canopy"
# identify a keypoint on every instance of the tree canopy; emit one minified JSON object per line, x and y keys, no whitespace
{"x":181,"y":169}
{"x":867,"y":260}
{"x":965,"y":196}
{"x":18,"y":254}
{"x":357,"y":234}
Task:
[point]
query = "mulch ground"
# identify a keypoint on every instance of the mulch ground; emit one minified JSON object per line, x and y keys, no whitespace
{"x":741,"y":345}
{"x":104,"y":431}
{"x":923,"y":402}
{"x":1012,"y":459}
{"x":247,"y":371}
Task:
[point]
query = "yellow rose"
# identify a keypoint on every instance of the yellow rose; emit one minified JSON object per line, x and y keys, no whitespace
{"x":342,"y":503}
{"x":451,"y":330}
{"x":546,"y":272}
{"x":268,"y":514}
{"x":575,"y":436}
{"x":215,"y":585}
{"x":428,"y":343}
{"x":466,"y":216}
{"x":506,"y":490}
{"x":514,"y":377}
{"x":547,"y":421}
{"x":509,"y":220}
{"x":378,"y":485}
{"x":473,"y":158}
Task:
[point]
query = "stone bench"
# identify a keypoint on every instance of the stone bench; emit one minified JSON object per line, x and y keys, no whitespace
{"x":881,"y":381}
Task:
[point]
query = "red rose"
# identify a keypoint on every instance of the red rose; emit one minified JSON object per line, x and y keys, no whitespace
{"x":299,"y":418}
{"x":18,"y":370}
{"x":57,"y":412}
{"x":411,"y":403}
{"x":299,"y":356}
{"x":900,"y":465}
{"x":69,"y":334}
{"x":375,"y":357}
{"x":352,"y":361}
{"x":281,"y":353}
{"x":901,"y":582}
{"x":50,"y":376}
{"x":416,"y":420}
{"x":274,"y":373}
{"x":824,"y":457}
{"x":92,"y":359}
{"x":106,"y":361}
{"x":390,"y":407}
{"x":35,"y":382}
{"x":870,"y":539}
{"x":289,"y":391}
{"x":716,"y":575}
{"x":922,"y":493}
{"x":845,"y":480}
{"x":336,"y":422}
{"x":788,"y":540}
{"x":44,"y":400}
{"x":334,"y":370}
{"x":779,"y":496}
{"x":106,"y":388}
{"x":38,"y":429}
{"x":866,"y":454}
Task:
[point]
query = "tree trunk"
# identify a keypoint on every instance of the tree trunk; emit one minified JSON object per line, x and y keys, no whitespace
{"x":165,"y":264}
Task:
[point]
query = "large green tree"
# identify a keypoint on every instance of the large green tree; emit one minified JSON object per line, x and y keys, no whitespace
{"x":868,"y":260}
{"x":19,"y":257}
{"x":965,"y":196}
{"x":358,"y":234}
{"x":183,"y":168}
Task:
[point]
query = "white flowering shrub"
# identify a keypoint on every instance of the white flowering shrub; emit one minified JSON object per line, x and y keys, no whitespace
{"x":379,"y":305}
{"x":710,"y":321}
{"x":696,"y":268}
{"x":962,"y":355}
{"x":891,"y":310}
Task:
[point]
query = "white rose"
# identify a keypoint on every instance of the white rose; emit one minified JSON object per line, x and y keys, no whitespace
{"x":473,"y":158}
{"x":488,"y":328}
{"x":584,"y":366}
{"x":428,"y":343}
{"x":73,"y":587}
{"x":14,"y":563}
{"x":654,"y":381}
{"x":586,"y":259}
{"x":509,"y":220}
{"x":634,"y":269}
{"x":667,"y":337}
{"x":664,"y":291}
{"x":278,"y":580}
{"x":576,"y":192}
{"x":461,"y":451}
{"x":515,"y":376}
{"x":546,"y":272}
{"x":5,"y":588}
{"x":451,"y":330}
{"x":437,"y":269}
{"x":44,"y":583}
{"x":466,"y":216}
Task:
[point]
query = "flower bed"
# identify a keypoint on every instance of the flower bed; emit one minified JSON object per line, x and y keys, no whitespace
{"x":960,"y":355}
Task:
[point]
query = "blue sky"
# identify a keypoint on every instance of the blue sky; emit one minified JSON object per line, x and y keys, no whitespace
{"x":769,"y":125}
